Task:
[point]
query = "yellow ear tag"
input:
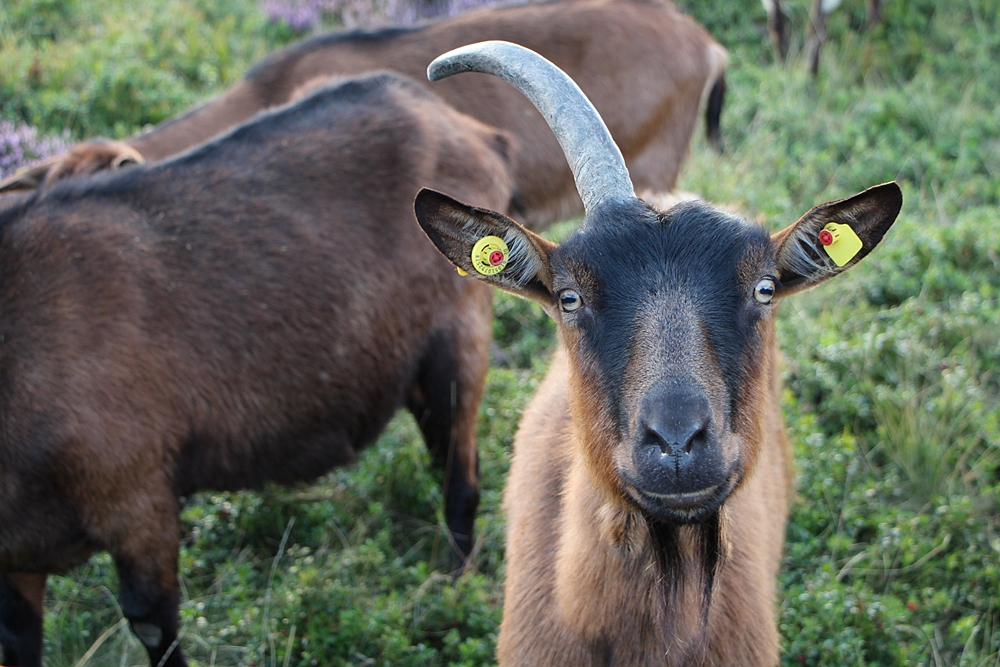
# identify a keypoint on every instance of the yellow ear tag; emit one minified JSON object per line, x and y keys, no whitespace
{"x":461,"y":271}
{"x":840,"y":242}
{"x":489,"y":255}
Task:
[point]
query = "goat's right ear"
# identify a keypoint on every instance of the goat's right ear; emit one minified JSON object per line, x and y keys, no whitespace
{"x":488,"y":246}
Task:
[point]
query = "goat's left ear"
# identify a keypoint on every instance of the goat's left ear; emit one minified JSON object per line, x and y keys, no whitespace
{"x":487,"y":245}
{"x":833,"y":237}
{"x":29,"y":178}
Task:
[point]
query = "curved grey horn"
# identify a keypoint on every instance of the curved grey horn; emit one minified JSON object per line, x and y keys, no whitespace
{"x":597,"y":164}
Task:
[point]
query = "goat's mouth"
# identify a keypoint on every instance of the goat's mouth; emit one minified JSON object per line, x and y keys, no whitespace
{"x":684,"y":508}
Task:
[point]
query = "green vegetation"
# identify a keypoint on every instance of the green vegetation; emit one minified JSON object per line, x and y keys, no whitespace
{"x":892,"y":372}
{"x":111,"y":67}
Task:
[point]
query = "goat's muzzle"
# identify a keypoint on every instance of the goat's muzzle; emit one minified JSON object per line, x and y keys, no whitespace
{"x":678,"y":470}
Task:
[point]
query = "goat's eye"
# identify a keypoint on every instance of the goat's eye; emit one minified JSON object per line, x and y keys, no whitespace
{"x":764,"y":291}
{"x":569,"y":300}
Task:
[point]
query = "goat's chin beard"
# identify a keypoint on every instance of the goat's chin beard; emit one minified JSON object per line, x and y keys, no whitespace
{"x":687,"y":557}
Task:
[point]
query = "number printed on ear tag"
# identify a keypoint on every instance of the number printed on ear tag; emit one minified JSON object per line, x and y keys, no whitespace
{"x":840,"y":242}
{"x":489,"y":255}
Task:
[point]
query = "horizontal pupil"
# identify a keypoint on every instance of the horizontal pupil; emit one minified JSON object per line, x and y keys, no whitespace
{"x":570,"y":301}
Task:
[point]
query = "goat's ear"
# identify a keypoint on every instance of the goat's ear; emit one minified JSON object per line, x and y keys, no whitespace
{"x":29,"y":178}
{"x":469,"y":236}
{"x":88,"y":157}
{"x":833,"y":237}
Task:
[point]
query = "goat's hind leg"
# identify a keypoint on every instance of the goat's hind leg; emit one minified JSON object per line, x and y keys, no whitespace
{"x":151,"y":607}
{"x":22,"y":598}
{"x":143,"y":542}
{"x":445,"y":402}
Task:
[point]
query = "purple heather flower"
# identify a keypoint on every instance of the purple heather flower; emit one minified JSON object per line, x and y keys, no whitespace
{"x":20,"y":146}
{"x":307,"y":14}
{"x":298,"y":14}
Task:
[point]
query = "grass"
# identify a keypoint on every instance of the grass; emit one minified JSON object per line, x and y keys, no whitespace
{"x":892,"y":372}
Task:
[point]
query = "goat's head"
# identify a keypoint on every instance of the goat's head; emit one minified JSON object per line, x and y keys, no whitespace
{"x":668,"y":317}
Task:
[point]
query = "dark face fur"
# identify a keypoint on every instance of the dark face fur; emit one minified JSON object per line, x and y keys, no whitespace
{"x":664,"y":317}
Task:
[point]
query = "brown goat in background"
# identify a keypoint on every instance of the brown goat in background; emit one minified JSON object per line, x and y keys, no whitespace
{"x":648,"y":493}
{"x":254,"y":310}
{"x":646,"y":67}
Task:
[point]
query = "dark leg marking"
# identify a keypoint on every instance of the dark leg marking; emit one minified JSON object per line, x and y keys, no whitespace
{"x":152,"y":610}
{"x":448,"y":424}
{"x":713,"y":113}
{"x":20,"y":627}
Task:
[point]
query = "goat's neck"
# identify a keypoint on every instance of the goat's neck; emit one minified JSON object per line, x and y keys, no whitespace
{"x":608,"y":579}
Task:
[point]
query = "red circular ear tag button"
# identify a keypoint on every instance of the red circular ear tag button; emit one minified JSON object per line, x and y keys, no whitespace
{"x":490,"y":255}
{"x":825,"y":237}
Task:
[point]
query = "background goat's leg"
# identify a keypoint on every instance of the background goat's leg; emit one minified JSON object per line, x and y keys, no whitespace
{"x":445,"y":402}
{"x":22,"y":597}
{"x":146,"y":559}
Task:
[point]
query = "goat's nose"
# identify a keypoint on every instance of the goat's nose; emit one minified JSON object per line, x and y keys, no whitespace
{"x":676,"y":423}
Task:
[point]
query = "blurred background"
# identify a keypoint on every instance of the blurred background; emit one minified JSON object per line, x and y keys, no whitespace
{"x":892,"y":372}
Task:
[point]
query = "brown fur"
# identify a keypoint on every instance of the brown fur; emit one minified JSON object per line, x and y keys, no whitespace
{"x":644,"y":65}
{"x":255,"y":310}
{"x":595,"y":584}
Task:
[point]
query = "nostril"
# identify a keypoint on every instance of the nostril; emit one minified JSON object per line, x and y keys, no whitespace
{"x":652,"y":437}
{"x":678,"y":441}
{"x":698,"y":438}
